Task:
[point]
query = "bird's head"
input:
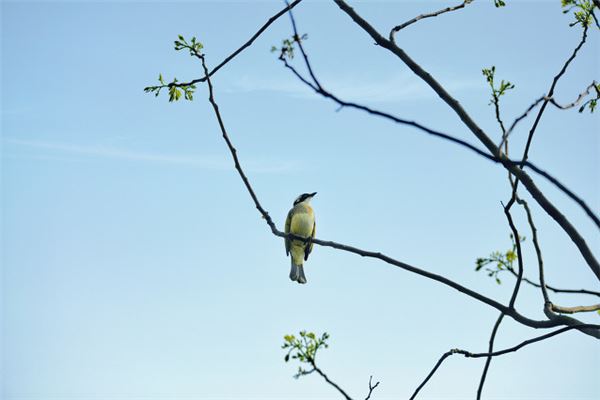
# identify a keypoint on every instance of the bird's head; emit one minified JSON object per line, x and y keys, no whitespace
{"x":304,"y":198}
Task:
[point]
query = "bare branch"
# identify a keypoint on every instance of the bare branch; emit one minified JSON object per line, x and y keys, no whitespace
{"x":515,"y":233}
{"x":332,"y":383}
{"x":551,"y":92}
{"x":579,"y":98}
{"x":319,"y":89}
{"x":322,"y":91}
{"x":428,"y":377}
{"x":538,"y":250}
{"x":489,"y":359}
{"x":499,"y":352}
{"x":423,"y":16}
{"x":568,"y":321}
{"x":573,"y":291}
{"x":555,"y":289}
{"x":371,"y":387}
{"x":566,"y":191}
{"x":233,"y":151}
{"x":594,"y":14}
{"x":508,"y":311}
{"x":513,"y":297}
{"x":573,"y":310}
{"x":537,"y":194}
{"x":552,"y":101}
{"x":520,"y":118}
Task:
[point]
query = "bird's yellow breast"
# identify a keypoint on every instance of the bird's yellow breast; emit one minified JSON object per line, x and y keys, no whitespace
{"x":303,"y":220}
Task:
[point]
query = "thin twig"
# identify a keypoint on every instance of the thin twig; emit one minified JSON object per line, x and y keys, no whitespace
{"x":428,"y":377}
{"x":538,"y":250}
{"x":423,"y":16}
{"x":371,"y":387}
{"x":594,"y":14}
{"x":332,"y":383}
{"x":552,"y":101}
{"x":579,"y":98}
{"x":499,"y":352}
{"x":554,"y":289}
{"x":529,"y":341}
{"x":233,"y":151}
{"x":513,"y":297}
{"x":519,"y":119}
{"x":551,"y":93}
{"x":488,"y":361}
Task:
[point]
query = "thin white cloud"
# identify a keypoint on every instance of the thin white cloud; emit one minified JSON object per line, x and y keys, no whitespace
{"x":400,"y":87}
{"x":204,"y":161}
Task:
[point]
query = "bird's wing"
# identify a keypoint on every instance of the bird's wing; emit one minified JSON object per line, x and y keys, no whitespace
{"x":309,"y":247}
{"x":288,"y":223}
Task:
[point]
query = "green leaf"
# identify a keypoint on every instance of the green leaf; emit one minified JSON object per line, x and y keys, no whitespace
{"x":511,"y":256}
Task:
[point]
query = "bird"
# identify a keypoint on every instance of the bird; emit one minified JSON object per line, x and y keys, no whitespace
{"x":300,"y":221}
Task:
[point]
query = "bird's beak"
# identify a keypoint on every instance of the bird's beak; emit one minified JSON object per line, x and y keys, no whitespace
{"x":313,"y":194}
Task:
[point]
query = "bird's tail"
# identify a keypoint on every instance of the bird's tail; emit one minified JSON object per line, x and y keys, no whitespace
{"x":301,"y":277}
{"x":297,"y":273}
{"x":294,"y":271}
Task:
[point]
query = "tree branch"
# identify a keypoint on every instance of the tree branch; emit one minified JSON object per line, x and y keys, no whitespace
{"x":554,"y":289}
{"x":551,"y":93}
{"x":423,"y":16}
{"x":332,"y":383}
{"x":319,"y":89}
{"x":538,"y":250}
{"x":537,"y":194}
{"x":247,"y":44}
{"x":552,"y":101}
{"x":513,"y":297}
{"x":371,"y":387}
{"x":579,"y":98}
{"x":233,"y":151}
{"x":573,"y":310}
{"x":488,"y":361}
{"x":499,"y":352}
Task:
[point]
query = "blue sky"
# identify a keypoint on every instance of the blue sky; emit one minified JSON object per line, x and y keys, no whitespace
{"x":135,"y":266}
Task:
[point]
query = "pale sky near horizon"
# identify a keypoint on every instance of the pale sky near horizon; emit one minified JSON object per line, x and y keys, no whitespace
{"x":135,"y":266}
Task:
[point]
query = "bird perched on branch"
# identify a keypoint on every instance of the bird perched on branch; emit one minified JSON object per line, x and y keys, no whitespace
{"x":300,"y":222}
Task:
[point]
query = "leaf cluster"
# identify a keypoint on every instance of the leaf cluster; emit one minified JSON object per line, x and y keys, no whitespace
{"x":287,"y":46}
{"x":498,"y":262}
{"x":583,"y":10}
{"x":499,"y":3}
{"x":591,"y":103}
{"x":176,"y":89}
{"x":304,"y":349}
{"x":193,"y":46}
{"x":504,"y":87}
